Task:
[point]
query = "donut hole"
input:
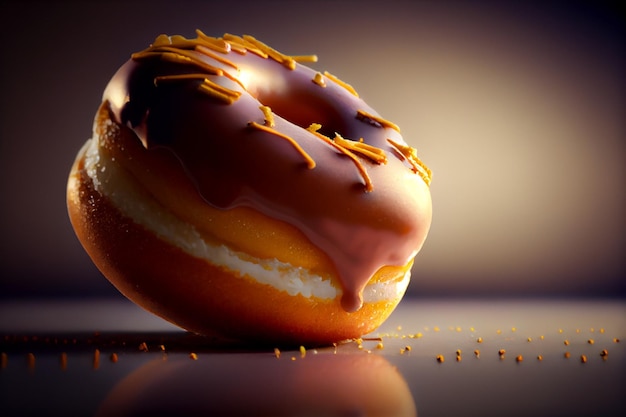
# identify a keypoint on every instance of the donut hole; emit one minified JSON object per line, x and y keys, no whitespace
{"x":303,"y":108}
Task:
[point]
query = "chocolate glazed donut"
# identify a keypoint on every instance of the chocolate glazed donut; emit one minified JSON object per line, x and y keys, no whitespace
{"x":245,"y":134}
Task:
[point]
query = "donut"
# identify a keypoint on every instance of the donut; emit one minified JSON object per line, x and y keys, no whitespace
{"x":236,"y":192}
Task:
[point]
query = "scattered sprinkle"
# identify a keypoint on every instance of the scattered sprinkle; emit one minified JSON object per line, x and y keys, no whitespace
{"x":539,"y":357}
{"x":519,"y":358}
{"x":566,"y":355}
{"x":63,"y":361}
{"x":566,"y":342}
{"x":583,"y":358}
{"x":193,"y":356}
{"x":302,"y":352}
{"x":143,"y":347}
{"x":277,"y":353}
{"x":30,"y":361}
{"x":591,"y":341}
{"x":113,"y":357}
{"x":96,"y":359}
{"x":440,"y":358}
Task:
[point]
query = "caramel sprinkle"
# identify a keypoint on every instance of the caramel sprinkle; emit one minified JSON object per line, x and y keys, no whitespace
{"x":410,"y":154}
{"x":208,"y":52}
{"x":309,"y":161}
{"x":366,"y":117}
{"x":286,"y":60}
{"x":269,"y":117}
{"x":304,"y":58}
{"x":222,"y":93}
{"x":206,"y":86}
{"x":179,"y":56}
{"x":373,"y":153}
{"x":345,"y":85}
{"x":314,"y":127}
{"x":243,"y":46}
{"x":218,"y":45}
{"x":319,"y":79}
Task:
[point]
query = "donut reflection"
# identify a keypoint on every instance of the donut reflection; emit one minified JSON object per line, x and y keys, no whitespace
{"x":323,"y":384}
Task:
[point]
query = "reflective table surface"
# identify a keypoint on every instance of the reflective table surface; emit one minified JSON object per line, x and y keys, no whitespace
{"x":538,"y":357}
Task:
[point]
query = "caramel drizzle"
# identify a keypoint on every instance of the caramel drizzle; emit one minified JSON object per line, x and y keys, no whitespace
{"x":345,"y":85}
{"x":417,"y":166}
{"x":314,"y":127}
{"x":366,"y":117}
{"x":309,"y":161}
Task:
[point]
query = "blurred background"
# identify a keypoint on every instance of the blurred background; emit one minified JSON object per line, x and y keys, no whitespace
{"x":517,"y":107}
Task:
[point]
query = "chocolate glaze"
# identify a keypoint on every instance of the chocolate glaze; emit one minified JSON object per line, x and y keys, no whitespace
{"x":233,"y":164}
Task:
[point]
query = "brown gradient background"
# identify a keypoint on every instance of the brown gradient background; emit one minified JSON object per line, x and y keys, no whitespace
{"x":518,"y":109}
